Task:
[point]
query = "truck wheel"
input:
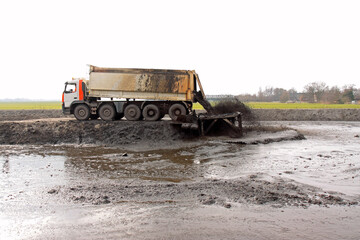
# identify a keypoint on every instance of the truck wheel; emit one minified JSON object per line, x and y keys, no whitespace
{"x":107,"y":112}
{"x":82,"y":112}
{"x":151,"y":112}
{"x":132,"y":112}
{"x":176,"y":110}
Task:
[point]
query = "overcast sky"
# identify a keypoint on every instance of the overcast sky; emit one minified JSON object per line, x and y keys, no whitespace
{"x":235,"y":46}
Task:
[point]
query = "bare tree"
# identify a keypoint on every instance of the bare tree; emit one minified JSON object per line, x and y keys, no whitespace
{"x":260,"y":95}
{"x":269,"y":93}
{"x":293,"y":95}
{"x":357,"y":94}
{"x":314,"y":91}
{"x":284,"y":96}
{"x":333,"y":95}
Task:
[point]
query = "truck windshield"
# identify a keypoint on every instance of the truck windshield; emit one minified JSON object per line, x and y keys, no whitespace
{"x":70,"y":87}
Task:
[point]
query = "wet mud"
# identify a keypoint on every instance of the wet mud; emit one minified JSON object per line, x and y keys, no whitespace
{"x":147,"y":134}
{"x":251,"y":190}
{"x":281,"y":180}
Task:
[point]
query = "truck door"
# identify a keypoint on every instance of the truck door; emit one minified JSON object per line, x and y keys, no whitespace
{"x":71,"y":93}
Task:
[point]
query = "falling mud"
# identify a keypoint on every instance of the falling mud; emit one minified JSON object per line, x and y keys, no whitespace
{"x":234,"y":105}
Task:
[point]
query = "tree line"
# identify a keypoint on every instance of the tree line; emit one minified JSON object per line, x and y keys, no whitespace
{"x":315,"y":92}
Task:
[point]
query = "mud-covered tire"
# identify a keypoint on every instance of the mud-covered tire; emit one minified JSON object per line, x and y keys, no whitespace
{"x":176,"y":110}
{"x":107,"y":112}
{"x":82,"y":112}
{"x":151,"y":112}
{"x":132,"y":112}
{"x":94,"y":116}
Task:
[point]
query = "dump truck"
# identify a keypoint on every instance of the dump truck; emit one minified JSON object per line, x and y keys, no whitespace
{"x":137,"y":94}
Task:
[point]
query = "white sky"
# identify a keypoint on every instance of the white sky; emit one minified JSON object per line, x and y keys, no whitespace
{"x":235,"y":46}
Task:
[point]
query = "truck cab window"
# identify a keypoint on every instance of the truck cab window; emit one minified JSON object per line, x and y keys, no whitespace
{"x":70,"y":88}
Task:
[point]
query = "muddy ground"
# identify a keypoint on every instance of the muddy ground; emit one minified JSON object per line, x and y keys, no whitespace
{"x":260,"y":114}
{"x":63,"y":179}
{"x":51,"y":128}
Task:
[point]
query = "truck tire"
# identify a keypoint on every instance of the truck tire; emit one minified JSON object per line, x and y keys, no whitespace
{"x":132,"y":112}
{"x":176,"y":110}
{"x":151,"y":112}
{"x":107,"y":112}
{"x":82,"y":112}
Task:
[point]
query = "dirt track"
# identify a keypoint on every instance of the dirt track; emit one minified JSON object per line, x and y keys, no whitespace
{"x":125,"y":180}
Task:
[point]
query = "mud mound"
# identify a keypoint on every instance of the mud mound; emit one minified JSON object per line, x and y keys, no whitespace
{"x":251,"y":189}
{"x":89,"y":132}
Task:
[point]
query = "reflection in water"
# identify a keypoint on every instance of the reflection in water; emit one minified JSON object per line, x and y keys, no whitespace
{"x":160,"y":165}
{"x":71,"y":163}
{"x":25,"y":171}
